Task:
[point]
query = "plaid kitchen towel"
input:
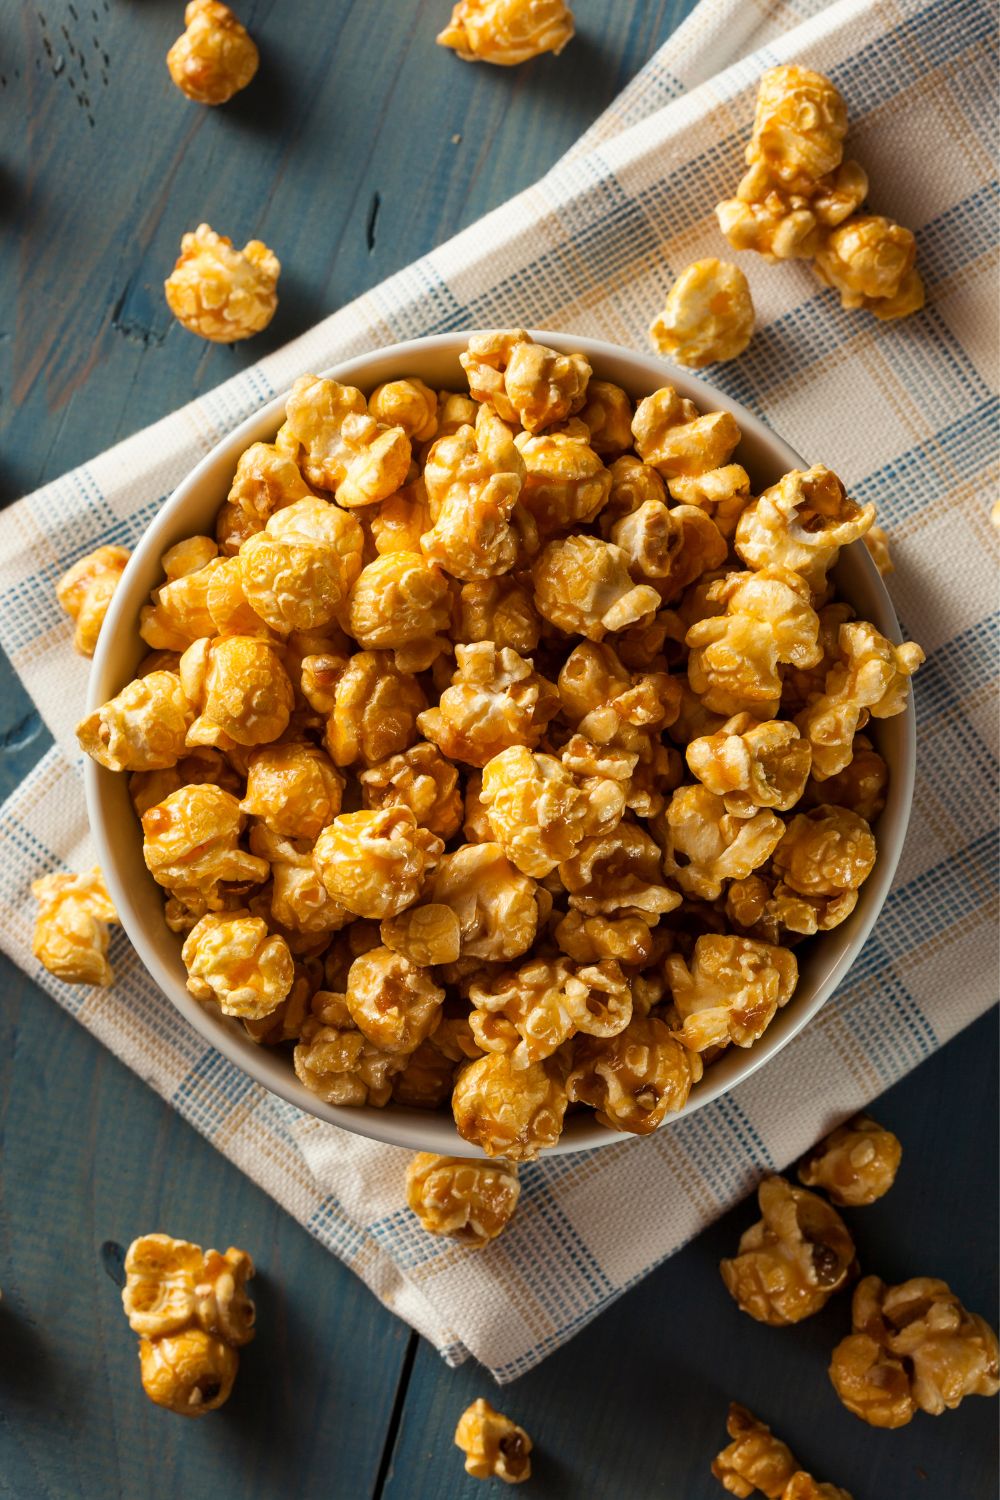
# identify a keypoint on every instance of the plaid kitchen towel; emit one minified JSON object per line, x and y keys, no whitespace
{"x":904,"y":411}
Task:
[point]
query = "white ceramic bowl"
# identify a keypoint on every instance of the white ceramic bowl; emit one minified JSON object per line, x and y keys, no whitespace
{"x":191,"y":509}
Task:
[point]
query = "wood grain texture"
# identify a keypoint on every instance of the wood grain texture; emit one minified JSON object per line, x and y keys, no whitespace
{"x":343,"y":156}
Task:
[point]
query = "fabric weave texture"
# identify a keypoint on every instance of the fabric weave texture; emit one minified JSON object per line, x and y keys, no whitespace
{"x":904,"y":412}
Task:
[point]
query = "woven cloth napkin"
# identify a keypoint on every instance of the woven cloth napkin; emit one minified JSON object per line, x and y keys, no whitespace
{"x":902,"y":411}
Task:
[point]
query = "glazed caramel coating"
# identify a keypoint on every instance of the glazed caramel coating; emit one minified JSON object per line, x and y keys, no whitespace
{"x":509,"y":1111}
{"x":876,"y":539}
{"x":914,"y":1347}
{"x":714,"y":846}
{"x":507,"y":32}
{"x":869,"y":678}
{"x":215,"y":57}
{"x":501,"y":610}
{"x":855,"y":1164}
{"x":799,"y":126}
{"x":71,"y":926}
{"x":732,"y":990}
{"x":708,"y":317}
{"x":233,"y":960}
{"x":530,"y":1011}
{"x":790,"y":1262}
{"x":633,"y":1079}
{"x":869,"y":260}
{"x":494,"y":1446}
{"x":241,"y":691}
{"x":85,"y":592}
{"x":669,"y":547}
{"x":374,"y":710}
{"x":723,"y":494}
{"x":671,"y":435}
{"x":220,"y":293}
{"x":582,"y":586}
{"x":523,"y":381}
{"x":397,"y":524}
{"x":266,"y":480}
{"x":409,"y":404}
{"x":734,"y":657}
{"x":498,"y":908}
{"x":422,"y":780}
{"x":425,"y":935}
{"x":400,"y":601}
{"x":801,"y":523}
{"x":825,"y":851}
{"x":803,"y":1486}
{"x":143,"y":728}
{"x":374,"y":862}
{"x":496,"y":699}
{"x":339,"y":446}
{"x":393,"y":1002}
{"x":337,"y":1061}
{"x":860,"y":786}
{"x":191,"y":843}
{"x":293,"y":788}
{"x":539,"y":812}
{"x":751,"y":765}
{"x":565,"y":484}
{"x":298,"y":901}
{"x":190,"y":1373}
{"x":464,"y":1199}
{"x":607,"y":415}
{"x":755,"y":1459}
{"x":298,"y":571}
{"x":426,"y":1080}
{"x":473,"y":481}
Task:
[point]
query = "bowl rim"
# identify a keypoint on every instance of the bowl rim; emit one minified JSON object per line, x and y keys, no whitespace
{"x":434,"y":1130}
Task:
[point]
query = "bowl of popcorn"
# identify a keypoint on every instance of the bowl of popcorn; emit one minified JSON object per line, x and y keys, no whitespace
{"x":500,"y":743}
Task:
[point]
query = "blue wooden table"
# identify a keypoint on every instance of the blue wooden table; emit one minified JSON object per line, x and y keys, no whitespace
{"x":360,"y":146}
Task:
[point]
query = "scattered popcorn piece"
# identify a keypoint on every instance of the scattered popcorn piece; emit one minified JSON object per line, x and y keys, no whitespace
{"x":467,"y":1200}
{"x":799,"y":126}
{"x":494,"y":1446}
{"x":800,"y":524}
{"x":143,"y":728}
{"x":914,"y":1348}
{"x":86,"y":590}
{"x":220,"y":293}
{"x":869,"y":260}
{"x":635,"y":1078}
{"x":71,"y":928}
{"x":192,"y":1313}
{"x":509,"y":1111}
{"x":215,"y":57}
{"x":231,"y":959}
{"x":790,"y":1262}
{"x":732,"y":990}
{"x":755,"y":1459}
{"x":855,"y":1164}
{"x":708,"y":317}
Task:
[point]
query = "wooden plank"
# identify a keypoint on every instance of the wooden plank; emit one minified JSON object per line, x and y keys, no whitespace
{"x":635,"y":1405}
{"x":91,"y":1158}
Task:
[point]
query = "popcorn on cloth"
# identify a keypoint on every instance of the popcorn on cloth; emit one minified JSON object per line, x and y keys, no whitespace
{"x":71,"y":927}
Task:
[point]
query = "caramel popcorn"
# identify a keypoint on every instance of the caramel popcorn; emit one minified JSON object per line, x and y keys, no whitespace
{"x":723,"y":494}
{"x":632,"y":484}
{"x":496,"y":699}
{"x":675,"y":439}
{"x":792,"y":1260}
{"x":85,"y":592}
{"x":265,"y":481}
{"x":200,"y":765}
{"x":619,"y":875}
{"x":399,"y":602}
{"x":374,"y":708}
{"x":494,"y":1446}
{"x":397,"y":524}
{"x":669,"y":547}
{"x":422,"y":780}
{"x":523,"y":381}
{"x":340,"y":446}
{"x":755,"y":1459}
{"x":708,"y":317}
{"x":240,"y":689}
{"x":855,"y":1164}
{"x":803,"y":1486}
{"x":529,"y":1012}
{"x":408,"y":404}
{"x":501,"y":610}
{"x":393,"y":1002}
{"x":473,"y":480}
{"x":293,"y":788}
{"x":540,"y":812}
{"x":914,"y":1347}
{"x":582,"y":586}
{"x":876,"y":540}
{"x":607,"y":415}
{"x":824,"y":854}
{"x":507,"y":32}
{"x":374,"y":862}
{"x":860,"y":786}
{"x":565,"y":482}
{"x":732,"y":990}
{"x":336,"y":1061}
{"x":714,"y":845}
{"x":751,"y":765}
{"x":232,"y":960}
{"x":635,"y":1078}
{"x":71,"y":928}
{"x":301,"y":567}
{"x":191,"y":1311}
{"x":498,"y":908}
{"x":467,"y":1200}
{"x":220,"y":293}
{"x":869,"y":677}
{"x":190,"y":845}
{"x":869,"y":261}
{"x":215,"y":57}
{"x":734,"y":657}
{"x":299,"y":902}
{"x":427,"y":934}
{"x":509,"y":1111}
{"x":800,"y":524}
{"x":143,"y":728}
